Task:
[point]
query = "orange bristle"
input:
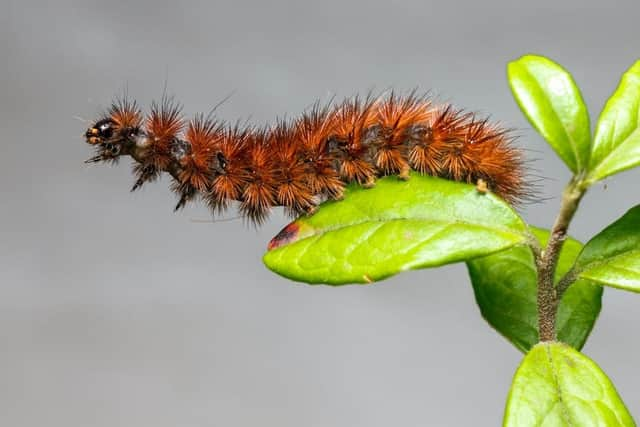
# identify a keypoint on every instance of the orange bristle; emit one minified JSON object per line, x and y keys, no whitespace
{"x":230,"y":173}
{"x":313,"y":131}
{"x":194,"y":154}
{"x":258,"y":196}
{"x":397,"y":118}
{"x":502,"y":167}
{"x":352,"y":121}
{"x":202,"y":136}
{"x":292,"y":189}
{"x":125,"y":114}
{"x":163,"y":126}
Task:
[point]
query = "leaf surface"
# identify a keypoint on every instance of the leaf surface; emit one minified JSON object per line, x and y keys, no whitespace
{"x":616,"y":145}
{"x":398,"y":225}
{"x":556,"y":385}
{"x":612,"y":257}
{"x":551,"y":100}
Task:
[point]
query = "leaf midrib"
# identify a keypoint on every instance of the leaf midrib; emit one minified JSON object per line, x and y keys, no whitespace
{"x":601,"y":261}
{"x":556,"y":384}
{"x":572,"y":142}
{"x":614,"y":149}
{"x":322,"y":231}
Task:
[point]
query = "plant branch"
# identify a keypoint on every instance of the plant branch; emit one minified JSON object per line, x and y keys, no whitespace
{"x":534,"y":245}
{"x":548,"y":295}
{"x":566,"y":281}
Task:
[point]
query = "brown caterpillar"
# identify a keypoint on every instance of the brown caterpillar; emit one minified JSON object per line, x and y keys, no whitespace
{"x":301,"y":162}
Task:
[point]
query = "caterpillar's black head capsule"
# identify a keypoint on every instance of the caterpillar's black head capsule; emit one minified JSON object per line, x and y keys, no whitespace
{"x":105,"y":137}
{"x":111,"y":140}
{"x":101,"y":131}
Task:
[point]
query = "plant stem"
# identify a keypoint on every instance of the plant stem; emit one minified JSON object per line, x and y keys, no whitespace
{"x":548,"y":297}
{"x":566,"y":281}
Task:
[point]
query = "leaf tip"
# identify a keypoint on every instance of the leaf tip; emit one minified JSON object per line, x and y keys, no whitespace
{"x":286,"y":235}
{"x":292,"y":232}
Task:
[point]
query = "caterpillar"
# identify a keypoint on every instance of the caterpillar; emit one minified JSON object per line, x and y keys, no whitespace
{"x":300,"y":162}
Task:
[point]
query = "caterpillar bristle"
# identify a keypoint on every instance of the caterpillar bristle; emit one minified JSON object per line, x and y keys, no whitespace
{"x":194,"y":154}
{"x":258,"y":196}
{"x":291,"y":180}
{"x":228,"y":168}
{"x":163,"y":126}
{"x":396,"y":119}
{"x":299,"y":163}
{"x":144,"y":172}
{"x":353,"y":136}
{"x":313,"y":131}
{"x":125,"y":113}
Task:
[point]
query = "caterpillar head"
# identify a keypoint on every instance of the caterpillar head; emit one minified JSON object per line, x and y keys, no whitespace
{"x":116,"y":132}
{"x":100,"y":131}
{"x":111,"y":140}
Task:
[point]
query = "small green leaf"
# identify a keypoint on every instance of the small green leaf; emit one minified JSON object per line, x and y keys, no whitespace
{"x":551,"y":100}
{"x":398,"y":225}
{"x":616,"y":145}
{"x":612,"y":257}
{"x":505,"y":288}
{"x":556,"y":385}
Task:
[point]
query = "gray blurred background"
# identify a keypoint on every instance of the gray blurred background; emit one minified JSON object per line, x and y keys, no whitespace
{"x":116,"y":312}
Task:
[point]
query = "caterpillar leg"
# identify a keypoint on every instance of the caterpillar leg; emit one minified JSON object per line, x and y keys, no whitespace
{"x":370,"y":182}
{"x":404,"y":172}
{"x":481,"y":186}
{"x":338,"y":194}
{"x":311,"y":210}
{"x":144,"y":173}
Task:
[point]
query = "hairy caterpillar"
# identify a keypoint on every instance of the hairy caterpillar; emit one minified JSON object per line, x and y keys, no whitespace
{"x":299,"y":163}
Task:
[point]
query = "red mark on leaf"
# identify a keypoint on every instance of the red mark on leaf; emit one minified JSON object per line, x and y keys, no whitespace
{"x":286,"y":235}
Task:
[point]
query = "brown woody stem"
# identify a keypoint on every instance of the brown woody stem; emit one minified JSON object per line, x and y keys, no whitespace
{"x":548,"y":294}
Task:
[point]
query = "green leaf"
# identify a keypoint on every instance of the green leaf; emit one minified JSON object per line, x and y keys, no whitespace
{"x":616,"y":145}
{"x":397,"y":225}
{"x":557,"y":386}
{"x":612,"y":257}
{"x":505,"y":288}
{"x":551,"y":100}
